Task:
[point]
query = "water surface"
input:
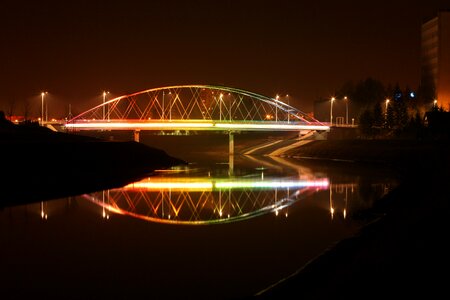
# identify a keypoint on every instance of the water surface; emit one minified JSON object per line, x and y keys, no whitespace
{"x":207,"y":230}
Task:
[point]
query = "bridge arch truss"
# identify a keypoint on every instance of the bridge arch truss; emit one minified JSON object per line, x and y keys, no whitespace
{"x":195,"y":103}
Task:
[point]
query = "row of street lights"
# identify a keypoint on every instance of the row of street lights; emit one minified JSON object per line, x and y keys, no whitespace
{"x":44,"y":107}
{"x":277,"y":99}
{"x":346,"y":109}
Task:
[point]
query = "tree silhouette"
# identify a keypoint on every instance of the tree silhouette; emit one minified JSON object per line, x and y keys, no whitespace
{"x":378,"y":118}
{"x":366,"y":123}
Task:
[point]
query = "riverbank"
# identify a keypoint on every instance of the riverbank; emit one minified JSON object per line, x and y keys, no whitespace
{"x":405,"y":251}
{"x":38,"y":164}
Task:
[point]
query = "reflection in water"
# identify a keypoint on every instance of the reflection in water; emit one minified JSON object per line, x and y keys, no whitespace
{"x":196,"y":201}
{"x":206,"y":200}
{"x":192,"y":196}
{"x":43,"y":206}
{"x":317,"y":205}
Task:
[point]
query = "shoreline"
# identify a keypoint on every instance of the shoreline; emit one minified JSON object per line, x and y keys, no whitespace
{"x":402,"y":252}
{"x":39,"y":164}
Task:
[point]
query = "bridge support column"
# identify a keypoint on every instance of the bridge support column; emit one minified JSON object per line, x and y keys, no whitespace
{"x":136,"y":135}
{"x":230,"y":165}
{"x":231,"y":142}
{"x":231,"y":153}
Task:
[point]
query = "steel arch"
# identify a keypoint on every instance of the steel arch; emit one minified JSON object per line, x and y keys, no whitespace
{"x":196,"y":102}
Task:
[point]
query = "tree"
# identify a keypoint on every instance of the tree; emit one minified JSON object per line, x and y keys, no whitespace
{"x":11,"y":107}
{"x":362,"y":96}
{"x":400,"y":113}
{"x":390,"y":119}
{"x":26,"y":108}
{"x":366,"y":123}
{"x":377,"y":114}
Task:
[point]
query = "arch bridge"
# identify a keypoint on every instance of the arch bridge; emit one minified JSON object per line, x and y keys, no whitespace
{"x":195,"y":107}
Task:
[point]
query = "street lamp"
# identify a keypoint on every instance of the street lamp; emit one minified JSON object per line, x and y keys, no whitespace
{"x":435,"y":103}
{"x":170,"y":106}
{"x":331,"y":110}
{"x":220,"y":106}
{"x":42,"y":107}
{"x":162,"y":113}
{"x":385,"y":112}
{"x":276,"y":108}
{"x":346,"y":110}
{"x":104,"y":100}
{"x":287,"y":97}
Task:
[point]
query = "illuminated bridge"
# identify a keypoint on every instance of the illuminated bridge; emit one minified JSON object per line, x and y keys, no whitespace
{"x":195,"y":107}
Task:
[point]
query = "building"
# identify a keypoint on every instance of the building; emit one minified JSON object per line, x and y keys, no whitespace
{"x":436,"y":57}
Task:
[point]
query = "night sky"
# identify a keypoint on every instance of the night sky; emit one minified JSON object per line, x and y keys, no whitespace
{"x":308,"y":49}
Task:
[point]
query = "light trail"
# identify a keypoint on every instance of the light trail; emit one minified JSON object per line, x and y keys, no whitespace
{"x":191,"y":125}
{"x":220,"y":184}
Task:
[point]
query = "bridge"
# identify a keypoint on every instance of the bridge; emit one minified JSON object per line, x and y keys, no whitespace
{"x":195,"y":108}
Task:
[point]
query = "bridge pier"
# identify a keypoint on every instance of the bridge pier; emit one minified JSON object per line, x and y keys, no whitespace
{"x":230,"y":165}
{"x":231,"y":153}
{"x":231,"y":142}
{"x":136,"y":135}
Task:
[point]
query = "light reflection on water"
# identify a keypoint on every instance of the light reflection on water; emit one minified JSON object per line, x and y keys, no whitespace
{"x":273,"y":210}
{"x":199,"y":201}
{"x":191,"y":196}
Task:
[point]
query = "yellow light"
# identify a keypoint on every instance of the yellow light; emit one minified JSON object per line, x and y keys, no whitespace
{"x":170,"y":185}
{"x":201,"y":125}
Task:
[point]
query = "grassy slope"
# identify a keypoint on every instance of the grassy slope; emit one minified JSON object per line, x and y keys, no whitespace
{"x":38,"y":164}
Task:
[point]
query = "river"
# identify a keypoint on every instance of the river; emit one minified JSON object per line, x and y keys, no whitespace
{"x":216,"y":228}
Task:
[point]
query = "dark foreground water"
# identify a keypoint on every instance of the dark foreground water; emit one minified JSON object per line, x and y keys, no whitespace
{"x":211,"y":230}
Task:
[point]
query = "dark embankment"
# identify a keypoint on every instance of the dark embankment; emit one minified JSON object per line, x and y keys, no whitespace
{"x":404,"y":252}
{"x":38,"y":164}
{"x":408,"y":156}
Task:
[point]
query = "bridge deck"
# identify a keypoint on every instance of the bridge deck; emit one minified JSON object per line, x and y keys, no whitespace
{"x":193,"y":125}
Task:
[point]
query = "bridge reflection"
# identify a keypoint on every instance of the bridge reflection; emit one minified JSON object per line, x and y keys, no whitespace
{"x":200,"y":201}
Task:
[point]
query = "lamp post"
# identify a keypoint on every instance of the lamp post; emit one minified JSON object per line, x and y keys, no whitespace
{"x":276,"y":108}
{"x":42,"y":107}
{"x":386,"y":110}
{"x":331,"y":110}
{"x":162,"y":114}
{"x":104,"y":101}
{"x":170,"y":106}
{"x":220,"y":106}
{"x":435,"y":103}
{"x":346,"y":110}
{"x":287,"y":96}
